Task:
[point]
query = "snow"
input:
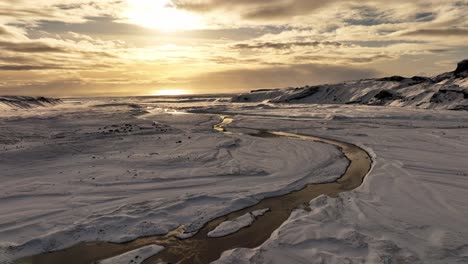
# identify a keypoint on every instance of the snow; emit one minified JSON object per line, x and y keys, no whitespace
{"x":117,"y":169}
{"x":261,"y":212}
{"x":230,"y":227}
{"x":136,"y":256}
{"x":412,"y":208}
{"x":83,"y":173}
{"x":446,"y":91}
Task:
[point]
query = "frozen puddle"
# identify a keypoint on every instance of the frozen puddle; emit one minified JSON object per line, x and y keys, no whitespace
{"x":136,"y":256}
{"x":230,"y":227}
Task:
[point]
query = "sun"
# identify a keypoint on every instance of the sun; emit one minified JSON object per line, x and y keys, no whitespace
{"x":162,"y":15}
{"x":169,"y":92}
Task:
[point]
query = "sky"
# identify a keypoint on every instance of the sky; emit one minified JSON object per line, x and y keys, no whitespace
{"x":67,"y":48}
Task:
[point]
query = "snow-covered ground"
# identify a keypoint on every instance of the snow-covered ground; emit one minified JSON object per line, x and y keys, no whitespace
{"x":115,"y":171}
{"x":118,"y":169}
{"x":412,"y":208}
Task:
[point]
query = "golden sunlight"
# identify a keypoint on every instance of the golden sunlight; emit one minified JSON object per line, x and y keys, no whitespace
{"x":169,"y":92}
{"x":161,"y":14}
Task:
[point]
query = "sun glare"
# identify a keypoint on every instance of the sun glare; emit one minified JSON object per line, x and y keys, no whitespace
{"x":161,"y":14}
{"x":168,"y":92}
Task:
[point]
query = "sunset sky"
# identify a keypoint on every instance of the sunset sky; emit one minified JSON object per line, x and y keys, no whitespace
{"x":151,"y":47}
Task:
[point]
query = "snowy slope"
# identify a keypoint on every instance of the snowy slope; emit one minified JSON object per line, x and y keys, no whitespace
{"x":26,"y":102}
{"x":446,"y":91}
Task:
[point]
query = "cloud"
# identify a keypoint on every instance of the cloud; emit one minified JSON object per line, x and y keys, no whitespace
{"x":27,"y":67}
{"x":255,"y":9}
{"x":32,"y":11}
{"x":286,"y":45}
{"x":85,"y":46}
{"x":279,"y":76}
{"x":29,"y":47}
{"x":343,"y":59}
{"x":286,"y":9}
{"x":438,"y":32}
{"x":4,"y":31}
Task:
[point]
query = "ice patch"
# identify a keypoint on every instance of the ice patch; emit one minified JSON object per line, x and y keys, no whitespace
{"x":136,"y":256}
{"x":230,"y":227}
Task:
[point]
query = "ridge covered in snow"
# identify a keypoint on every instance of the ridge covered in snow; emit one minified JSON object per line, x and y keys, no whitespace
{"x":24,"y":102}
{"x":445,"y":91}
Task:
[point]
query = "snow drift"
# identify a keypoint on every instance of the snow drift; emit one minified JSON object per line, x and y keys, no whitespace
{"x":26,"y":101}
{"x":445,"y":91}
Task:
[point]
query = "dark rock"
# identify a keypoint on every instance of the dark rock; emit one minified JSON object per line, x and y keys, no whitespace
{"x":306,"y":92}
{"x":462,"y":67}
{"x":265,"y":90}
{"x":384,"y":95}
{"x":392,"y":79}
{"x":420,"y":79}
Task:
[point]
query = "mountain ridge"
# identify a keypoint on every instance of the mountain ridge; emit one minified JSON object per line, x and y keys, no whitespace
{"x":444,"y":91}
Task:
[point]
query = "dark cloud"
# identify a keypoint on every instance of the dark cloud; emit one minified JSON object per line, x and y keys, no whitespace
{"x":210,"y":5}
{"x":439,"y":50}
{"x":27,"y":67}
{"x":50,"y":88}
{"x":350,"y":60}
{"x":16,"y":59}
{"x":25,"y":13}
{"x":108,"y":28}
{"x":286,"y":45}
{"x":382,"y":43}
{"x":367,"y":12}
{"x":279,"y":76}
{"x":270,"y":12}
{"x":438,"y":32}
{"x":368,"y":16}
{"x":232,"y":60}
{"x":93,"y":26}
{"x":75,"y":86}
{"x":70,"y":6}
{"x":50,"y":66}
{"x":41,"y":47}
{"x":29,"y":47}
{"x":425,"y":17}
{"x":256,"y":9}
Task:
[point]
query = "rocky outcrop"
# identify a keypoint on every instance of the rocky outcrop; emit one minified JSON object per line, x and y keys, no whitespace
{"x":462,"y":69}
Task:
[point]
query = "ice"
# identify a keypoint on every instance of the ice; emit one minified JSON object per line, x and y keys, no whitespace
{"x":136,"y":256}
{"x":261,"y":212}
{"x":230,"y":227}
